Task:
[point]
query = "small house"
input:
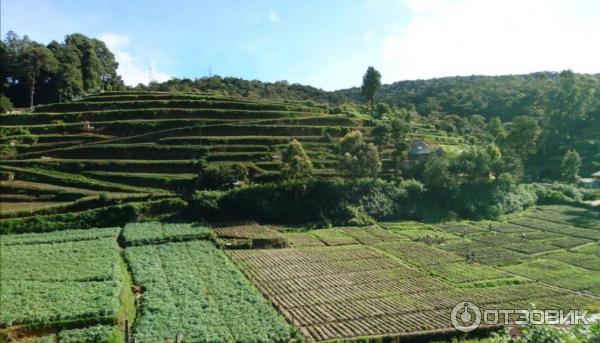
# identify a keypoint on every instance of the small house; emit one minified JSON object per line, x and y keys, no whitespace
{"x":591,"y":182}
{"x":421,"y":150}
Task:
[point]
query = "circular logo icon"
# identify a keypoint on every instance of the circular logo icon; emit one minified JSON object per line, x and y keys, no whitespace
{"x":466,"y":316}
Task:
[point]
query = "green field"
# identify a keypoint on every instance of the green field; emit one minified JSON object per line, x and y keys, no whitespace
{"x":337,"y":283}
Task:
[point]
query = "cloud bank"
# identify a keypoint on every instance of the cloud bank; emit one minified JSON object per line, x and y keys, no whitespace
{"x":132,"y":69}
{"x":491,"y":37}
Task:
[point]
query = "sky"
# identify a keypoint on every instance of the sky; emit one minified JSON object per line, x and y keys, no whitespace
{"x":324,"y":43}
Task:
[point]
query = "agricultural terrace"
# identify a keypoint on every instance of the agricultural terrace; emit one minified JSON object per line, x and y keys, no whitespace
{"x":116,"y":148}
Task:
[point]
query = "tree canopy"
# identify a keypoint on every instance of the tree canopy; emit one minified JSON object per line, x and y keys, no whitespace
{"x":33,"y":73}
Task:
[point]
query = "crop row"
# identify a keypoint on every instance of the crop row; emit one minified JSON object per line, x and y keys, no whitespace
{"x":59,"y":236}
{"x":155,"y":233}
{"x":80,"y":106}
{"x":246,"y":231}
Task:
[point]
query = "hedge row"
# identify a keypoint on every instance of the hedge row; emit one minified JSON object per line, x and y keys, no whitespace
{"x":152,"y":113}
{"x":134,"y":166}
{"x":117,"y":215}
{"x":172,"y":182}
{"x":260,"y":140}
{"x":127,"y":152}
{"x":82,"y":204}
{"x":73,"y":180}
{"x":223,"y":104}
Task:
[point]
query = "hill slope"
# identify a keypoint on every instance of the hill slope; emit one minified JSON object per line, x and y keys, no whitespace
{"x":132,"y":145}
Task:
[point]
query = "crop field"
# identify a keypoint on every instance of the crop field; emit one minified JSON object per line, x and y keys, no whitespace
{"x":191,"y":288}
{"x":54,"y":281}
{"x":389,"y":281}
{"x":155,"y":233}
{"x":357,"y":290}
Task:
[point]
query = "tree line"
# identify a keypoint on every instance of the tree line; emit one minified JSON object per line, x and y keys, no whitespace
{"x":33,"y":73}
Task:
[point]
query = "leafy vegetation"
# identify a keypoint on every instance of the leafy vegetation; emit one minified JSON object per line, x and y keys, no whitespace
{"x":190,"y":288}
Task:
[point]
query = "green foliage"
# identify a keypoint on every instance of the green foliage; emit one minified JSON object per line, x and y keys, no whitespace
{"x":57,"y":71}
{"x":222,"y":176}
{"x":92,"y":334}
{"x":382,"y":133}
{"x":371,"y":84}
{"x":60,"y":283}
{"x":358,"y":158}
{"x":5,"y":104}
{"x":382,"y":110}
{"x":155,"y":233}
{"x":296,"y":163}
{"x":196,"y":280}
{"x":571,"y":164}
{"x":556,"y":193}
{"x":110,"y":216}
{"x":523,"y":135}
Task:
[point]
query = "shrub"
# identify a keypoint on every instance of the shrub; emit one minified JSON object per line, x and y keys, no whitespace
{"x":5,"y":104}
{"x":556,"y":193}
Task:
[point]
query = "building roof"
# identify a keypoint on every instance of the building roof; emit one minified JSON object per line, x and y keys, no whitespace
{"x":422,"y":150}
{"x":596,"y":174}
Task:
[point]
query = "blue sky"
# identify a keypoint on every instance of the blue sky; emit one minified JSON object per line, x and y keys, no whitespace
{"x":326,"y":43}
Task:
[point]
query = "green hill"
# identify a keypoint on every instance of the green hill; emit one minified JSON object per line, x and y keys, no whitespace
{"x":120,"y":147}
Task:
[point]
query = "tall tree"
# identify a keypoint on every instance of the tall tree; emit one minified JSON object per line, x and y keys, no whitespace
{"x":570,"y":166}
{"x":371,"y":84}
{"x":35,"y":60}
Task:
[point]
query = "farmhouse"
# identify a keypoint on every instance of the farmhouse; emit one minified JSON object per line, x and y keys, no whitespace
{"x":420,"y":150}
{"x":591,"y":182}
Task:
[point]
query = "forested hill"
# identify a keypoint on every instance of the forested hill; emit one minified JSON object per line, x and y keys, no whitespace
{"x":234,"y":86}
{"x":490,"y":96}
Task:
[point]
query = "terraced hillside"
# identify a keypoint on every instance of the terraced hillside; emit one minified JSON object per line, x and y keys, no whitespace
{"x":125,"y":147}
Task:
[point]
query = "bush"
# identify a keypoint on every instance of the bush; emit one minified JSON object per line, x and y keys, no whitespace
{"x":5,"y":104}
{"x":556,"y":193}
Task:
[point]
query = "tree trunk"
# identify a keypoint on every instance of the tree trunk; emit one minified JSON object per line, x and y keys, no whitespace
{"x":32,"y":91}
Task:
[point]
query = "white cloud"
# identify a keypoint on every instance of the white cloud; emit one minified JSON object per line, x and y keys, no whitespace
{"x":491,"y":37}
{"x":274,"y":17}
{"x":132,"y":69}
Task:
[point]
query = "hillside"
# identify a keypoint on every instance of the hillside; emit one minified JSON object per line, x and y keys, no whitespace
{"x":502,"y":96}
{"x":119,"y":147}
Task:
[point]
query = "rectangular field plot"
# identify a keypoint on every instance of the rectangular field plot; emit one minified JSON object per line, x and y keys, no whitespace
{"x":360,"y":234}
{"x":192,"y":288}
{"x":333,"y":237}
{"x":578,"y":259}
{"x":483,"y":253}
{"x":559,"y":274}
{"x":154,"y":233}
{"x":302,"y":239}
{"x":444,"y":265}
{"x":356,"y":290}
{"x":59,"y":236}
{"x":571,"y":215}
{"x":563,"y":229}
{"x":55,"y":280}
{"x":518,"y":243}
